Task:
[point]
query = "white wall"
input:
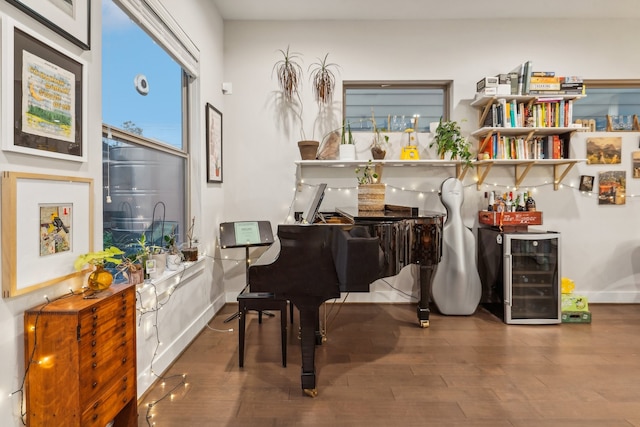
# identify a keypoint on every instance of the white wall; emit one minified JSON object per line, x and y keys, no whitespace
{"x":200,"y":294}
{"x":599,"y":243}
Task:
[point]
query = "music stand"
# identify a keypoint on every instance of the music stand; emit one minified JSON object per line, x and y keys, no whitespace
{"x":245,"y":234}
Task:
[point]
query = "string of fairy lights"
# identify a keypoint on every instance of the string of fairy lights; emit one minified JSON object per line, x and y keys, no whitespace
{"x":421,"y":194}
{"x":157,"y":302}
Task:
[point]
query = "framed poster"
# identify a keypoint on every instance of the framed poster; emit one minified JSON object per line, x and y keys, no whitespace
{"x":214,"y":144}
{"x":46,"y":99}
{"x":69,"y":18}
{"x":47,"y":221}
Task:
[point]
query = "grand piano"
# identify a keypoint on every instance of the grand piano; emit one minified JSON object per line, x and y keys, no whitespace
{"x":315,"y":262}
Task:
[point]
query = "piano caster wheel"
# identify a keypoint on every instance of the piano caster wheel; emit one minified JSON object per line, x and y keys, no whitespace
{"x":424,"y":324}
{"x":311,"y":392}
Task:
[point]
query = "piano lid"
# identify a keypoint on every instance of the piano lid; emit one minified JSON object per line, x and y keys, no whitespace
{"x":391,"y":213}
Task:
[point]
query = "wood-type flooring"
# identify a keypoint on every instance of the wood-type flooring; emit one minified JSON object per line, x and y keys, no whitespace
{"x":379,"y":368}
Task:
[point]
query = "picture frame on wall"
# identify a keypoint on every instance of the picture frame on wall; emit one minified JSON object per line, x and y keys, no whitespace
{"x":46,"y":92}
{"x":214,"y":143}
{"x":586,"y":182}
{"x":47,"y":224}
{"x":69,"y":18}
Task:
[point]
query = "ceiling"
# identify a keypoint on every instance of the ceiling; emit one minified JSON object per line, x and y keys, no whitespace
{"x":423,"y":9}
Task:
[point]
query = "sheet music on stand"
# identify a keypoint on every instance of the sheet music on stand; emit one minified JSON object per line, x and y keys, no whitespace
{"x":245,"y":234}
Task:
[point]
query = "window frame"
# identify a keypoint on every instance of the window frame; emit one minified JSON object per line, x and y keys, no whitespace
{"x":611,"y":84}
{"x":445,"y":85}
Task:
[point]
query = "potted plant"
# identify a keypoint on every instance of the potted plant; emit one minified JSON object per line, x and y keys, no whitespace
{"x":289,"y":75}
{"x":190,"y":253}
{"x":131,"y":270}
{"x":370,"y":190}
{"x":347,"y":144}
{"x":379,"y":141}
{"x":100,"y":278}
{"x":323,"y":81}
{"x":448,"y":139}
{"x":174,"y":256}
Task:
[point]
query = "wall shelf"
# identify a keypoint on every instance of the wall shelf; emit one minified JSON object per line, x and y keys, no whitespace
{"x":561,"y":168}
{"x":461,"y":169}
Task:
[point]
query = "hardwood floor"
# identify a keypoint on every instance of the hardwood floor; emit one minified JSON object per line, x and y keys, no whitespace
{"x":378,"y":368}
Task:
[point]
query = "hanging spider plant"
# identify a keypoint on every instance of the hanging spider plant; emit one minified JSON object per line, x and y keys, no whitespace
{"x":323,"y":80}
{"x":289,"y":74}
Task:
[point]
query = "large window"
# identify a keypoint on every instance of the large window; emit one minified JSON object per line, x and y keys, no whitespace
{"x":618,"y":99}
{"x":396,"y":105}
{"x":144,"y":155}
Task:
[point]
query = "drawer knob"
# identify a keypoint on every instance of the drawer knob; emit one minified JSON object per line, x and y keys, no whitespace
{"x":124,"y":360}
{"x":94,"y":365}
{"x":93,"y":343}
{"x":94,"y":332}
{"x":94,"y":354}
{"x":94,"y":309}
{"x":95,"y":405}
{"x":94,"y":384}
{"x":95,"y":417}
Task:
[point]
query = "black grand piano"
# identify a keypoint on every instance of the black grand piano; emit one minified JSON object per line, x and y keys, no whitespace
{"x":315,"y":262}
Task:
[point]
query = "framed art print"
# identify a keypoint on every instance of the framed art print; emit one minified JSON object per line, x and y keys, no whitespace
{"x":69,"y":18}
{"x":46,"y":102}
{"x":47,"y":222}
{"x":214,"y":144}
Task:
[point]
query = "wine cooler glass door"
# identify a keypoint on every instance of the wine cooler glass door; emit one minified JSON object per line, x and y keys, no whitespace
{"x":532,"y":279}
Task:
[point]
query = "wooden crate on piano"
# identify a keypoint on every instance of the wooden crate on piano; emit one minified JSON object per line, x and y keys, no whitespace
{"x":510,"y":221}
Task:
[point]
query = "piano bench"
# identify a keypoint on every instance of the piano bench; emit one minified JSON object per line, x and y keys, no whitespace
{"x":261,"y":301}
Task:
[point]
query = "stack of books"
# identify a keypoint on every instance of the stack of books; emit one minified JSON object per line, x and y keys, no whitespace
{"x":522,"y":80}
{"x":547,"y":83}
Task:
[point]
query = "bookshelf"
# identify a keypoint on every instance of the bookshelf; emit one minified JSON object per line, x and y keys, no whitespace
{"x":537,"y":134}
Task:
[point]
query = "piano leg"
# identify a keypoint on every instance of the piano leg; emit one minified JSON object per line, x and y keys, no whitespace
{"x":309,"y":315}
{"x":427,"y":272}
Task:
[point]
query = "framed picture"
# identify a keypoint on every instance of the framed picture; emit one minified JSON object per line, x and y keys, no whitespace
{"x":45,"y":91}
{"x":214,"y":144}
{"x":635,"y":164}
{"x":604,"y":150}
{"x":612,"y":188}
{"x":47,"y":221}
{"x":69,"y":18}
{"x":586,"y":183}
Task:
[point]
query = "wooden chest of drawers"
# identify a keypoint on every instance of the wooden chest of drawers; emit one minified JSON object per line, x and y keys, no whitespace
{"x":83,"y":360}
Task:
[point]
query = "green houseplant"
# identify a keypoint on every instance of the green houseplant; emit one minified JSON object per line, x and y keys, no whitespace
{"x":448,"y":139}
{"x":370,"y":190}
{"x":100,"y":278}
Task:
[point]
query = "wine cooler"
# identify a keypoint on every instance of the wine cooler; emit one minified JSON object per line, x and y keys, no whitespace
{"x":520,"y":275}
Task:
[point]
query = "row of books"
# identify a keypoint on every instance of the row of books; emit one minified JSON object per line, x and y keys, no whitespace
{"x":545,"y":112}
{"x":518,"y":148}
{"x":522,"y":80}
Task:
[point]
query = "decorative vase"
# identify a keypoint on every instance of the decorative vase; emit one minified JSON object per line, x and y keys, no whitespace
{"x":173,"y":261}
{"x":308,"y":149}
{"x":136,"y":274}
{"x":190,"y":254}
{"x":378,"y":153}
{"x":347,"y":152}
{"x":371,"y":197}
{"x":161,"y":263}
{"x":100,"y":279}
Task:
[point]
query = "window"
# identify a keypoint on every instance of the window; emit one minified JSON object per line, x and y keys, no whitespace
{"x":144,"y":154}
{"x":395,"y":104}
{"x":619,"y":99}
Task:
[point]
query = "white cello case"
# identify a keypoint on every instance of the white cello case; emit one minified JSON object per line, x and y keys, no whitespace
{"x":456,"y":288}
